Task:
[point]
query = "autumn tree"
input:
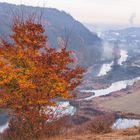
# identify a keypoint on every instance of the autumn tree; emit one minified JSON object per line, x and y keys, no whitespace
{"x":33,"y":74}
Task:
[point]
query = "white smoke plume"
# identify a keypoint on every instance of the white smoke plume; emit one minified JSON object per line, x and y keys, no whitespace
{"x":107,"y":51}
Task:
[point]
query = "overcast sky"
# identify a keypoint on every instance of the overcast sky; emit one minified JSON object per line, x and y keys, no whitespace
{"x":93,"y":11}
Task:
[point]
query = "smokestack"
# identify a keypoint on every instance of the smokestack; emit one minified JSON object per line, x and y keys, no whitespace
{"x":132,"y":18}
{"x":116,"y":53}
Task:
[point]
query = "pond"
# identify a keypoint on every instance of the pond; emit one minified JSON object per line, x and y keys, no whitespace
{"x":123,"y":123}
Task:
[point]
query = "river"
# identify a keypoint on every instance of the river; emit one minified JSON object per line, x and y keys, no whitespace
{"x":116,"y":86}
{"x":64,"y":108}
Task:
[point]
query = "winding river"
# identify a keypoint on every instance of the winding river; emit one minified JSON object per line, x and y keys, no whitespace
{"x":116,"y":86}
{"x":66,"y":109}
{"x":105,"y":68}
{"x":120,"y":123}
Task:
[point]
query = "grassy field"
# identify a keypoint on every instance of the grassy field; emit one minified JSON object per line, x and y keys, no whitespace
{"x":129,"y":103}
{"x":129,"y":134}
{"x":94,"y":137}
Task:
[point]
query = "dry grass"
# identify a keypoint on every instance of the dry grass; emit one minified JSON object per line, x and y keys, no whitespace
{"x":129,"y":103}
{"x":84,"y":134}
{"x":118,"y":135}
{"x":100,"y":125}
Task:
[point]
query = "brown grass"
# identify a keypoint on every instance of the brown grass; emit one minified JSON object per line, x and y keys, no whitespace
{"x":129,"y":103}
{"x":130,"y":134}
{"x":101,"y":124}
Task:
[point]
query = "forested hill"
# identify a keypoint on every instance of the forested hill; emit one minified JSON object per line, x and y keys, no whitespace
{"x":59,"y":26}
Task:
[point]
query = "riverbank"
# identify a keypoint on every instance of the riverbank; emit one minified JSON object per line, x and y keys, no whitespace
{"x":123,"y":104}
{"x":126,"y":101}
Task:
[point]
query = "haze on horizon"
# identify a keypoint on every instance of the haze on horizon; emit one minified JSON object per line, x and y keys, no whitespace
{"x":115,"y":12}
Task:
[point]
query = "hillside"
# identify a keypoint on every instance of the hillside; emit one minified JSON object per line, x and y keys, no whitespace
{"x":59,"y":26}
{"x":128,"y":103}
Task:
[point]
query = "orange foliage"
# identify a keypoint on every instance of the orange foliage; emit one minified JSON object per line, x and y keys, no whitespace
{"x":30,"y":77}
{"x":31,"y":73}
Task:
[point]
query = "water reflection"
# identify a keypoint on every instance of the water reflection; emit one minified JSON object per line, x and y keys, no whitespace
{"x":123,"y":123}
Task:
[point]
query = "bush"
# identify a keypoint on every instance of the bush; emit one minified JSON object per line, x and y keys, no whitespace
{"x":58,"y":127}
{"x":101,"y":124}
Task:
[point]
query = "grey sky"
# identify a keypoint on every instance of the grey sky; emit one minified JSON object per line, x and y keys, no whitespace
{"x":93,"y":11}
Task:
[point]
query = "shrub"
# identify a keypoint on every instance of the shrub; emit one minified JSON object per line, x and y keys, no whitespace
{"x":101,"y":124}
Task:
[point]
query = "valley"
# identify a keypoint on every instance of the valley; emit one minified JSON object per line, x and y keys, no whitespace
{"x":106,"y":95}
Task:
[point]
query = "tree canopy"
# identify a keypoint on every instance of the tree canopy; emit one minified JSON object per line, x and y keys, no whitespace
{"x":33,"y":74}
